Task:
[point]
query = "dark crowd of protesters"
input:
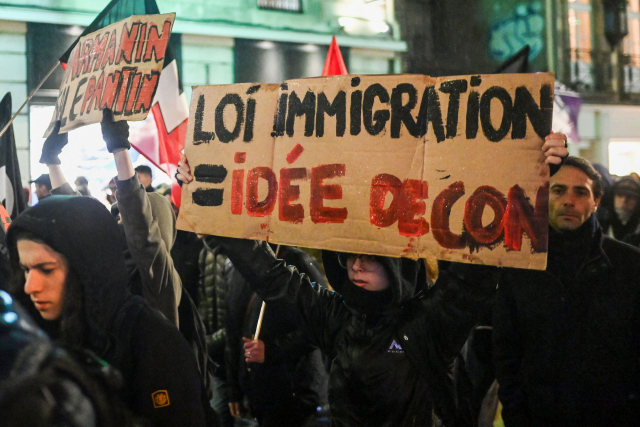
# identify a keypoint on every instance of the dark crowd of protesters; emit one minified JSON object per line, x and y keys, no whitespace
{"x":115,"y":318}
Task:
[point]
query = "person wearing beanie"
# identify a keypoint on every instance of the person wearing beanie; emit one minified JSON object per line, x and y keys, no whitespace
{"x":392,"y":340}
{"x":621,"y":217}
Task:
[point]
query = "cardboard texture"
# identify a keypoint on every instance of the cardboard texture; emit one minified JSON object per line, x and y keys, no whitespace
{"x":397,"y":165}
{"x":116,"y":67}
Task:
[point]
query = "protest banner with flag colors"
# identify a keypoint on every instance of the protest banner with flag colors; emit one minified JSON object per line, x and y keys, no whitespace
{"x":11,"y":193}
{"x":170,"y":109}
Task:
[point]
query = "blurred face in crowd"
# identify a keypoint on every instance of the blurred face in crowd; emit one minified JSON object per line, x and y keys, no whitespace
{"x":625,"y":203}
{"x":571,"y":199}
{"x":364,"y":271}
{"x":42,"y":191}
{"x":144,"y":179}
{"x":45,"y":272}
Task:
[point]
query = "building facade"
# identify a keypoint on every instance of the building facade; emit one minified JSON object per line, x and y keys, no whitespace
{"x":215,"y":41}
{"x":567,"y":37}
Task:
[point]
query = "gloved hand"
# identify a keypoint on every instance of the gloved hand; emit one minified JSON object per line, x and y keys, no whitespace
{"x":115,"y":134}
{"x":53,"y":146}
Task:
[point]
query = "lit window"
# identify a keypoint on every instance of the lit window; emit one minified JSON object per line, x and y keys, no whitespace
{"x":631,"y":46}
{"x":286,"y":5}
{"x":580,"y":41}
{"x":624,"y":157}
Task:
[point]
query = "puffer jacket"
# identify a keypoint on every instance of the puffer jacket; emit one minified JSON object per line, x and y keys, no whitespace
{"x":162,"y":382}
{"x":567,"y":340}
{"x":212,"y":295}
{"x":390,"y":369}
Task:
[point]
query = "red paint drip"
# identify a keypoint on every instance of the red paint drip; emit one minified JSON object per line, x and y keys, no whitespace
{"x":295,"y":153}
{"x":240,"y":157}
{"x":263,"y":226}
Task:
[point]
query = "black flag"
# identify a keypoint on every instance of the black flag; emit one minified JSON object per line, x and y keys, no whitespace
{"x":518,"y":63}
{"x":11,"y":194}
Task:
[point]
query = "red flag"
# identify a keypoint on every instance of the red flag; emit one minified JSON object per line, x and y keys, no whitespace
{"x":170,"y":112}
{"x":334,"y":64}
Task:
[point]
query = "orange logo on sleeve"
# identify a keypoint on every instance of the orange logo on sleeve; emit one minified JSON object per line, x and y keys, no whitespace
{"x":160,"y":398}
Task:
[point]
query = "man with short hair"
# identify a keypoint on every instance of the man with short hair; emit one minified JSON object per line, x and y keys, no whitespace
{"x":82,"y":186}
{"x":145,"y":176}
{"x":43,"y":186}
{"x":622,"y":218}
{"x":566,"y":340}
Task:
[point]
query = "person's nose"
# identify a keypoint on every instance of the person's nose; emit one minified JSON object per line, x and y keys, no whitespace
{"x":570,"y":199}
{"x":33,"y":283}
{"x":357,"y":265}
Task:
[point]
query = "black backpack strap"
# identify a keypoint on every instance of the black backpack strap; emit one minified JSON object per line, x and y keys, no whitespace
{"x":120,"y":354}
{"x":193,"y":330}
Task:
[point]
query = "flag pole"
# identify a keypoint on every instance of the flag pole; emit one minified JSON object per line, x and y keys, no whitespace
{"x":29,"y":98}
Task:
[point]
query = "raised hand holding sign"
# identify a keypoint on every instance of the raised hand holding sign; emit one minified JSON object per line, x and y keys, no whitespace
{"x":392,"y":165}
{"x":116,"y":67}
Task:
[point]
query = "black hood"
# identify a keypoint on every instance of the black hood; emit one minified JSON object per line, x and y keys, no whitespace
{"x":407,"y":278}
{"x":83,"y":230}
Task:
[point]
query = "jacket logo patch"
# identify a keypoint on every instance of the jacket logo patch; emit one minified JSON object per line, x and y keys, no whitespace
{"x":160,"y":398}
{"x":395,"y":348}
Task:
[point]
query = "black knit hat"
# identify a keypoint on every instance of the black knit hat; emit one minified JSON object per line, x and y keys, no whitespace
{"x":627,"y":186}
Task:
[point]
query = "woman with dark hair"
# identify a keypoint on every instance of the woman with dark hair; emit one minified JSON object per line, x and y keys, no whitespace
{"x":67,"y":253}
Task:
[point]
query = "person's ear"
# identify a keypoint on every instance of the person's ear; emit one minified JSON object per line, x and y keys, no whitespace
{"x":597,"y":203}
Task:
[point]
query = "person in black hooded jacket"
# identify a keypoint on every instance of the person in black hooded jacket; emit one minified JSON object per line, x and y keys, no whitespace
{"x":391,"y":349}
{"x":70,"y":273}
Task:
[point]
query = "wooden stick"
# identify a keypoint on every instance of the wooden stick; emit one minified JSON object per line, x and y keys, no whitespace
{"x":257,"y":335}
{"x":4,"y":129}
{"x":264,"y":305}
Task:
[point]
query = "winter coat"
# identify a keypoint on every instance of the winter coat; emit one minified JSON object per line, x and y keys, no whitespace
{"x":387,"y":369}
{"x":149,"y":225}
{"x":162,"y":382}
{"x":567,"y":340}
{"x":212,"y":294}
{"x":186,"y":254}
{"x":292,"y":381}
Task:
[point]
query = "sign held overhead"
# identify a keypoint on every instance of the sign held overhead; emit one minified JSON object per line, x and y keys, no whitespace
{"x":116,"y":67}
{"x":398,"y":165}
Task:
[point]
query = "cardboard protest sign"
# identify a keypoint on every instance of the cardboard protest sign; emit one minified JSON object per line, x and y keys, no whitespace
{"x":398,"y":165}
{"x":116,"y":67}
